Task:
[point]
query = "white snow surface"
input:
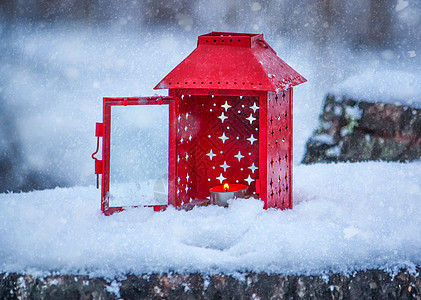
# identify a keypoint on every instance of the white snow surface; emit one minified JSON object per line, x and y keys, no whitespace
{"x":346,"y":217}
{"x":382,"y":85}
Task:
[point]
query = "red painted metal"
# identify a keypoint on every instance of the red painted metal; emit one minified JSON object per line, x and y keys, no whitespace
{"x":240,"y":69}
{"x":217,"y":142}
{"x":230,"y":121}
{"x":263,"y":155}
{"x":279,"y":150}
{"x":99,"y":129}
{"x":232,"y":61}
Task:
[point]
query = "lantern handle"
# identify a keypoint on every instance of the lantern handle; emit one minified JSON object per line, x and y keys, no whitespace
{"x":266,"y":45}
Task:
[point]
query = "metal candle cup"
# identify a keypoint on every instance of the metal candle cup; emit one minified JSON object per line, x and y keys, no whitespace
{"x":220,"y":195}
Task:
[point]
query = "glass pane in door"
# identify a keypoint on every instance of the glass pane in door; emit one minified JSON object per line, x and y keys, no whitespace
{"x":139,"y":155}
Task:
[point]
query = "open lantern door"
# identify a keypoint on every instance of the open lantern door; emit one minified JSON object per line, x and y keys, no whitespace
{"x":138,"y":151}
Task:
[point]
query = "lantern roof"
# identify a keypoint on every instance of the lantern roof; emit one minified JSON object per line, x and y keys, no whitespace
{"x":233,"y":61}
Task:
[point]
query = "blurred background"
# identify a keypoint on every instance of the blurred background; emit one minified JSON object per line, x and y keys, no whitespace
{"x":59,"y":58}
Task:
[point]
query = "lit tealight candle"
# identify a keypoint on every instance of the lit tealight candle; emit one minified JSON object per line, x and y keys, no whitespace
{"x":220,"y":194}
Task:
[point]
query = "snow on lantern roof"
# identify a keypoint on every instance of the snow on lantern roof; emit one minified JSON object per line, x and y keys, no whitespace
{"x":233,"y":61}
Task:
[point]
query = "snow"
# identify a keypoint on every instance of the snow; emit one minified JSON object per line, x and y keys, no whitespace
{"x":323,"y":138}
{"x":56,"y":78}
{"x":382,"y":85}
{"x":401,"y":5}
{"x":346,"y":217}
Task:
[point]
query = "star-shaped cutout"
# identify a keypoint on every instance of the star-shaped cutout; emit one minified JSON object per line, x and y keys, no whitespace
{"x":223,"y":137}
{"x":187,"y":115}
{"x":226,"y":105}
{"x":239,"y":156}
{"x":221,"y":178}
{"x":253,"y":168}
{"x":225,"y":166}
{"x":254,"y":107}
{"x":222,"y":117}
{"x":252,"y":139}
{"x":187,"y":157}
{"x":251,"y":118}
{"x":187,"y":177}
{"x":211,"y":154}
{"x":249,"y":179}
{"x":187,"y":188}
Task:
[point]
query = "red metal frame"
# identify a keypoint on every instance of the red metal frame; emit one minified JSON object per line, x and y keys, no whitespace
{"x":107,"y":104}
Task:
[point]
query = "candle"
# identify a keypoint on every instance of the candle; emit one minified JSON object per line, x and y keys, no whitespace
{"x":220,"y":194}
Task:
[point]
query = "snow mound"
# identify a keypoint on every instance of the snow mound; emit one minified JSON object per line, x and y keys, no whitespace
{"x":377,"y":85}
{"x":347,"y":217}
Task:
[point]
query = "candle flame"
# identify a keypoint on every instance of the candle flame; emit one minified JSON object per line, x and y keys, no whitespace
{"x":226,"y":187}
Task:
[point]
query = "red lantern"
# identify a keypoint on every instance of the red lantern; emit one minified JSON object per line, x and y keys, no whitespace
{"x":227,"y":119}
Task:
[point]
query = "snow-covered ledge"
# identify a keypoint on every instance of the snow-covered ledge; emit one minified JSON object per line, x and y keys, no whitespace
{"x":358,"y":223}
{"x":371,"y":116}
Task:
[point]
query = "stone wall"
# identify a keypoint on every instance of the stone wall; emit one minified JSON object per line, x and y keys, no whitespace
{"x":371,"y":284}
{"x":359,"y":131}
